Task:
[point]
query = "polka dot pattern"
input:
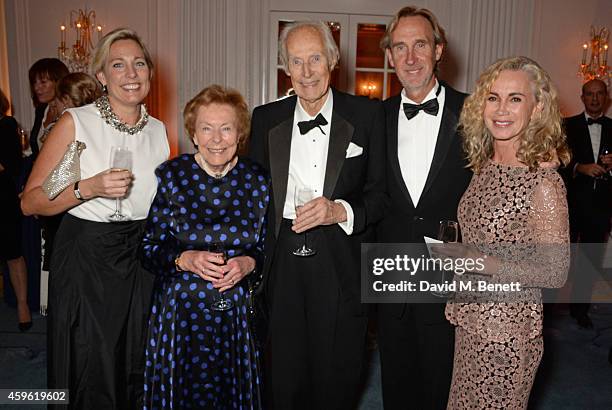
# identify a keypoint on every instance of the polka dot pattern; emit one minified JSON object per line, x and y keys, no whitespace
{"x":197,"y":357}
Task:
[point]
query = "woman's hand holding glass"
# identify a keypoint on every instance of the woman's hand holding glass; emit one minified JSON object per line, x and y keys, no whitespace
{"x":459,"y":250}
{"x":209,"y":266}
{"x":107,"y":184}
{"x":237,"y":268}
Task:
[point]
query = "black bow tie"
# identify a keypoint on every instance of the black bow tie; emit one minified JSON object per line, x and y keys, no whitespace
{"x":306,"y":126}
{"x":595,"y":120}
{"x":431,"y":107}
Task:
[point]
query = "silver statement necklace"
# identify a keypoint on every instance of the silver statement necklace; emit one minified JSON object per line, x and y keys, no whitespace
{"x":217,"y":175}
{"x":111,"y":118}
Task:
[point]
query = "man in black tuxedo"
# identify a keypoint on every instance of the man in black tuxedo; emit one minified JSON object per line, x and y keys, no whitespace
{"x":334,"y":143}
{"x":426,"y":177}
{"x":589,"y":136}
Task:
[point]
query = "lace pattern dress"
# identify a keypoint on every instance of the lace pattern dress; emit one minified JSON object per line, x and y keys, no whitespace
{"x":520,"y":217}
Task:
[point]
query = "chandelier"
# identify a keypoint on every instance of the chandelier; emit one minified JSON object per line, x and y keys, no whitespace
{"x":83,"y":25}
{"x":368,"y":89}
{"x":596,"y":67}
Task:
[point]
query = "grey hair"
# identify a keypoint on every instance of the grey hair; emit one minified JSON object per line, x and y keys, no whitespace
{"x":331,"y":49}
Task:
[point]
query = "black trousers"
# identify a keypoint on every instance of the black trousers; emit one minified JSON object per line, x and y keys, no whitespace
{"x":98,"y":305}
{"x":591,"y":227}
{"x":317,"y":338}
{"x":416,"y":355}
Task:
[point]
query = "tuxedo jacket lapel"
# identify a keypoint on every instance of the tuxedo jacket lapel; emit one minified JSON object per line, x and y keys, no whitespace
{"x":586,"y":140}
{"x":392,"y":146}
{"x":443,"y":143}
{"x":279,"y":140}
{"x":340,"y":135}
{"x":606,"y":136}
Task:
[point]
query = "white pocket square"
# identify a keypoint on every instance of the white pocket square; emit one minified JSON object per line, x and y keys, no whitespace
{"x":353,"y":150}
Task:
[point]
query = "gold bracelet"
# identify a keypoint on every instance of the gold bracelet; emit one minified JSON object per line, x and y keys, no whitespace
{"x":177,"y":262}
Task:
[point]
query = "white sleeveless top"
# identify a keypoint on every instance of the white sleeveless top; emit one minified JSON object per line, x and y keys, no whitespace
{"x":149,"y":149}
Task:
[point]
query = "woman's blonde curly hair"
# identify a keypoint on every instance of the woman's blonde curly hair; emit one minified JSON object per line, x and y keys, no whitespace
{"x":544,"y":135}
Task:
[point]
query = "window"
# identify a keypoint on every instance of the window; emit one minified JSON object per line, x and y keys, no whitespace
{"x":363,"y":67}
{"x":372,"y":75}
{"x":280,"y":83}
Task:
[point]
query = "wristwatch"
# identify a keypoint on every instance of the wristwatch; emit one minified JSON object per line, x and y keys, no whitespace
{"x":77,"y":193}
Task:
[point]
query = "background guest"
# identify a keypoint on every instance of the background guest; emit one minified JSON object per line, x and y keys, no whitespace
{"x":589,"y":136}
{"x":10,"y":240}
{"x":515,"y":212}
{"x":98,"y":294}
{"x":76,"y":90}
{"x":44,"y":75}
{"x":212,"y":197}
{"x":73,"y":90}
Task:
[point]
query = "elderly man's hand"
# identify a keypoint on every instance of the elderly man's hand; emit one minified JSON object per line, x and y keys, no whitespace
{"x":319,"y":211}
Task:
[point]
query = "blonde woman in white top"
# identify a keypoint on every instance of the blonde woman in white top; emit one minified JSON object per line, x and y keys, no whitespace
{"x":98,"y":293}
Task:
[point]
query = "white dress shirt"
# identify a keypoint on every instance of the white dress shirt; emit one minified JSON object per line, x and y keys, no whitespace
{"x":416,"y":142}
{"x":149,"y":149}
{"x":308,"y":160}
{"x":595,"y":133}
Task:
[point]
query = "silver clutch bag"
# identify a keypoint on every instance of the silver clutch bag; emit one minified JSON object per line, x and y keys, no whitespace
{"x":66,"y":172}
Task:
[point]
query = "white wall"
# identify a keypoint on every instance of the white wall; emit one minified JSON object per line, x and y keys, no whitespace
{"x":564,"y":26}
{"x":199,"y":42}
{"x":480,"y":31}
{"x":33,"y":32}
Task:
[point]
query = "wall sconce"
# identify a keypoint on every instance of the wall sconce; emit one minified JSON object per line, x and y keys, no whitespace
{"x":77,"y":57}
{"x":597,"y":65}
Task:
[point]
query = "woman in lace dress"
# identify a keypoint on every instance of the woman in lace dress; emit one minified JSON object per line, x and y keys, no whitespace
{"x":514,"y":212}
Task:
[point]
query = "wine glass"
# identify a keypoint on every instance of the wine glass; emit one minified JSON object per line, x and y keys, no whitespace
{"x":448,"y":232}
{"x":608,"y":173}
{"x":120,"y":160}
{"x":222,"y":303}
{"x":303,"y":195}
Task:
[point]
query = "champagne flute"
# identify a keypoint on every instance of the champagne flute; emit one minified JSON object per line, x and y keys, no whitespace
{"x":303,"y":195}
{"x":608,"y":173}
{"x":120,"y":160}
{"x":448,"y":232}
{"x":222,"y":303}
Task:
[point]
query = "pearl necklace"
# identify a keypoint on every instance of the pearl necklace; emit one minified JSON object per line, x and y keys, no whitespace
{"x":217,"y":175}
{"x":106,"y":112}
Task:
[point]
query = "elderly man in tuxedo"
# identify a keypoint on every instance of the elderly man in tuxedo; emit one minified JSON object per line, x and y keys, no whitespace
{"x":426,"y":177}
{"x":589,"y":135}
{"x":334,"y":143}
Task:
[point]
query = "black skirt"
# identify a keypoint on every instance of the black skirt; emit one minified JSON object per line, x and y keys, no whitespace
{"x":99,"y":300}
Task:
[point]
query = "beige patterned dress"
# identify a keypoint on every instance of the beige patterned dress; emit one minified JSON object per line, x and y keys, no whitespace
{"x":521,"y":218}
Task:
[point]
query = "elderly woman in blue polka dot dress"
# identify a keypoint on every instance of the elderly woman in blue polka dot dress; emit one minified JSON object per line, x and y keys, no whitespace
{"x":199,"y":356}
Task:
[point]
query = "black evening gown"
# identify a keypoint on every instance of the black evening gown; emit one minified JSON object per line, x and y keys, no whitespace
{"x":197,"y":357}
{"x":99,"y":297}
{"x":10,"y":158}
